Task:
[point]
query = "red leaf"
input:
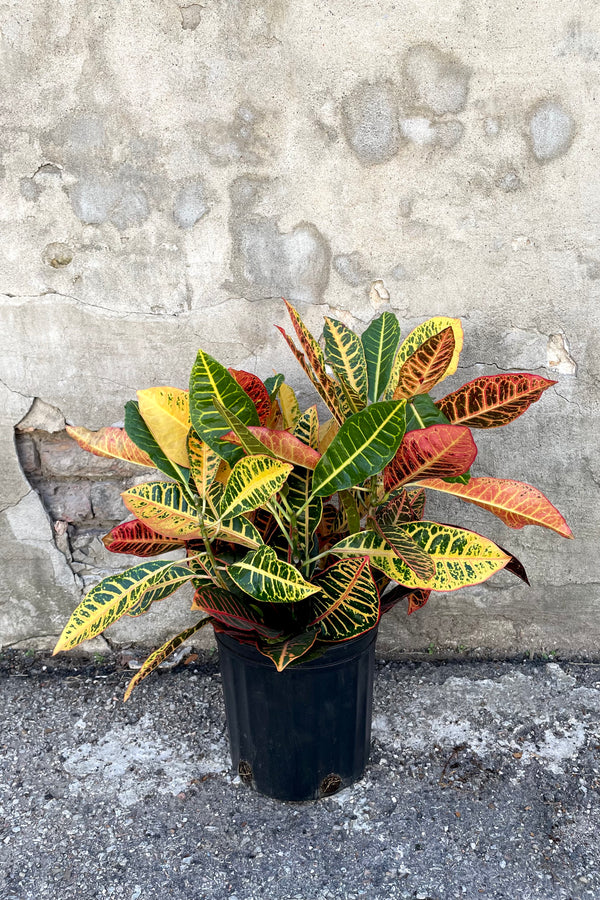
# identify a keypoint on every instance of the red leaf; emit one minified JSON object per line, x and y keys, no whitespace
{"x":137,"y":539}
{"x":417,"y":600}
{"x":255,"y":390}
{"x":440,"y":450}
{"x":493,"y":400}
{"x":515,"y":502}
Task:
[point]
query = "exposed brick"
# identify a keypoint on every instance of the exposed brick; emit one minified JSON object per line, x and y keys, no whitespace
{"x":69,"y":502}
{"x":28,"y":454}
{"x":106,"y":501}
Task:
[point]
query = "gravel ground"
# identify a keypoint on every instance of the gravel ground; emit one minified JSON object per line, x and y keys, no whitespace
{"x":483,"y":783}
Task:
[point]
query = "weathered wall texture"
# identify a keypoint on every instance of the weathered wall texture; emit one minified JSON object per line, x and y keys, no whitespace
{"x":169,"y":171}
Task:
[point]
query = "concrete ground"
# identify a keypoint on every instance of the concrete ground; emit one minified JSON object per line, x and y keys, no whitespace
{"x":484,"y":782}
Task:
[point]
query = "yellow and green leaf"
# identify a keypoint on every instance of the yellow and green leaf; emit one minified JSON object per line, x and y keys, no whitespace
{"x":289,"y":406}
{"x":142,"y":437}
{"x":461,"y":557}
{"x":110,"y":442}
{"x":116,"y":595}
{"x":265,"y":577}
{"x":345,"y":355}
{"x":204,"y":462}
{"x":348,"y":601}
{"x":159,"y":656}
{"x":253,"y":481}
{"x":365,"y":443}
{"x":162,"y":506}
{"x":166,"y":412}
{"x":209,"y":379}
{"x":306,"y":428}
{"x":406,"y":549}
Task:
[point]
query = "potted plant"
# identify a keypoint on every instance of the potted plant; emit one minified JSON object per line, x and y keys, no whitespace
{"x":299,"y":534}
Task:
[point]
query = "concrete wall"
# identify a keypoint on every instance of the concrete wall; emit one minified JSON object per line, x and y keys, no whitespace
{"x":169,"y":171}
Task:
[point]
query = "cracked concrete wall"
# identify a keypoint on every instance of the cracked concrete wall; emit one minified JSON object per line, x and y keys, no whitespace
{"x":169,"y":171}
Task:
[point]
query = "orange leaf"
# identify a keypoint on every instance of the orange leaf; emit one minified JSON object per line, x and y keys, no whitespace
{"x":283,"y":444}
{"x":110,"y":442}
{"x":427,"y":366}
{"x":515,"y":502}
{"x":493,"y":400}
{"x":439,"y":450}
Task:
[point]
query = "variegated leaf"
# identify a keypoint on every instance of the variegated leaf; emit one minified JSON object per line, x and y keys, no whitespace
{"x":209,"y":379}
{"x":348,"y":601}
{"x":407,"y":550}
{"x":115,"y":596}
{"x":162,"y":506}
{"x":159,"y":656}
{"x":142,"y":437}
{"x":427,"y":366}
{"x":137,"y":539}
{"x":110,"y":442}
{"x":278,"y":444}
{"x":421,"y":412}
{"x":256,"y":390}
{"x":461,"y":557}
{"x":427,"y":329}
{"x":439,"y":450}
{"x":235,"y":531}
{"x":273,"y":384}
{"x":299,"y":485}
{"x":516,"y":503}
{"x":284,"y":652}
{"x":417,"y":600}
{"x":406,"y":506}
{"x":493,"y":400}
{"x":327,"y":432}
{"x":362,"y":447}
{"x":306,"y":428}
{"x":253,"y":481}
{"x":204,"y":462}
{"x":345,"y":355}
{"x":166,"y":412}
{"x":225,"y":607}
{"x":289,"y":406}
{"x":265,"y":577}
{"x":380,"y":342}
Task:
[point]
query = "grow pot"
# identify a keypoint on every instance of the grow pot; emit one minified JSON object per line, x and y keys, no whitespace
{"x":305,"y":732}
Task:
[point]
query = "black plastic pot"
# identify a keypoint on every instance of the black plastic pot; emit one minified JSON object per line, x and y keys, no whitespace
{"x":305,"y":732}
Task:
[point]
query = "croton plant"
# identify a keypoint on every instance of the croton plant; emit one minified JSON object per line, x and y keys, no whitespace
{"x":299,"y":533}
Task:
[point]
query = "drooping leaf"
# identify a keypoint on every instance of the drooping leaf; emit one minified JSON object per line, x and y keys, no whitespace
{"x":515,"y":566}
{"x":493,"y":400}
{"x":253,"y":481}
{"x":115,"y":595}
{"x":278,"y":444}
{"x":406,"y":506}
{"x":461,"y":557}
{"x":142,"y":437}
{"x":268,"y":579}
{"x":284,"y":652}
{"x":137,"y":539}
{"x":427,"y":366}
{"x":380,"y":342}
{"x":345,"y":355}
{"x":289,"y":406}
{"x":407,"y":550}
{"x":515,"y":502}
{"x":110,"y":442}
{"x":256,"y":390}
{"x":166,"y":412}
{"x":210,"y":379}
{"x":159,"y":656}
{"x":423,"y":332}
{"x":348,"y":601}
{"x":230,"y":610}
{"x":162,"y":506}
{"x":417,"y":600}
{"x":204,"y":462}
{"x":438,"y":450}
{"x":362,"y":447}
